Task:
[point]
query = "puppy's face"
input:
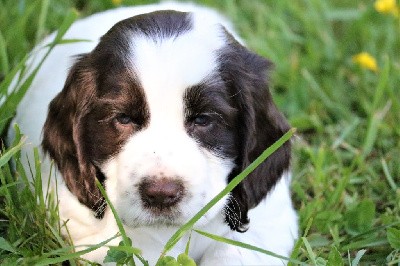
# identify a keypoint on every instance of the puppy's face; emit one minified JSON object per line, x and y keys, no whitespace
{"x":165,"y":111}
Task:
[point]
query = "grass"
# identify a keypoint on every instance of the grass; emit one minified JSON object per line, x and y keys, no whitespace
{"x":346,"y":183}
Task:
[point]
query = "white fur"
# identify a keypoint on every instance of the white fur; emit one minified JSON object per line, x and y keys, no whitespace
{"x":273,"y":222}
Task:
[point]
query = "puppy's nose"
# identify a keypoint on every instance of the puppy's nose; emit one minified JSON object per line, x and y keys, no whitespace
{"x":161,"y":193}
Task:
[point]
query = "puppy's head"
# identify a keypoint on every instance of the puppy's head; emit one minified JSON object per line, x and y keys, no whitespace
{"x":165,"y":111}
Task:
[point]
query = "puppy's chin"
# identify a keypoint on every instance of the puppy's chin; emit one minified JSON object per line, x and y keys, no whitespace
{"x":155,"y":218}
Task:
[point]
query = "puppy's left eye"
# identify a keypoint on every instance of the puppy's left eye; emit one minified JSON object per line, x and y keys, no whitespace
{"x":124,"y":119}
{"x":202,"y":120}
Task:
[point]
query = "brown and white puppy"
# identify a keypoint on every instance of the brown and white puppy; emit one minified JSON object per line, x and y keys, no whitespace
{"x":164,"y":110}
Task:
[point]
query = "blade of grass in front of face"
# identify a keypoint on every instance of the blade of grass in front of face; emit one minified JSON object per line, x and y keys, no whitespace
{"x":246,"y":246}
{"x":126,"y":240}
{"x":127,"y":249}
{"x":117,"y":219}
{"x":188,"y":244}
{"x":235,"y":181}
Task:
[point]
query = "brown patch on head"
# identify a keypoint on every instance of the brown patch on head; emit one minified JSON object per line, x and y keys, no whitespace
{"x":89,"y":121}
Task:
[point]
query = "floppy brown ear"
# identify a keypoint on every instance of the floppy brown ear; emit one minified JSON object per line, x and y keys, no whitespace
{"x":61,"y":135}
{"x":260,"y":125}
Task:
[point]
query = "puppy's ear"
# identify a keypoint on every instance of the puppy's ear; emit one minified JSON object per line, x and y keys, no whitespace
{"x":260,"y":124}
{"x":62,"y":140}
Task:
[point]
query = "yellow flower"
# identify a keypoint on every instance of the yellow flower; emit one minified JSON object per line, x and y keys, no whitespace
{"x":116,"y":2}
{"x":387,"y":7}
{"x":365,"y":60}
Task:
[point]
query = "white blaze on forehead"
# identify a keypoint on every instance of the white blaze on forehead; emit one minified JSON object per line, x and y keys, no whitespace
{"x":166,"y":67}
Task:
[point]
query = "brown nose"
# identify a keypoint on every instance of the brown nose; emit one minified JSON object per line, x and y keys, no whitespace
{"x":161,"y":192}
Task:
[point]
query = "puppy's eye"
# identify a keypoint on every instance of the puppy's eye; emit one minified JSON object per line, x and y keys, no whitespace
{"x":124,"y":119}
{"x":202,"y":120}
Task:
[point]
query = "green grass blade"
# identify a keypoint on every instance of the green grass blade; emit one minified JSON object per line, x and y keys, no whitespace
{"x":376,"y":115}
{"x":127,"y":242}
{"x":127,"y":249}
{"x":5,"y":188}
{"x":349,"y":14}
{"x":4,"y":245}
{"x":310,"y":252}
{"x":388,"y":176}
{"x":382,"y":85}
{"x":117,"y":219}
{"x":9,"y":107}
{"x":246,"y":246}
{"x":6,"y":157}
{"x":297,"y":246}
{"x":373,"y":127}
{"x":365,"y":243}
{"x":393,"y":236}
{"x":346,"y":132}
{"x":188,"y":245}
{"x":42,"y":19}
{"x":68,"y":41}
{"x":68,"y":256}
{"x":38,"y":178}
{"x":358,"y":257}
{"x":69,"y":19}
{"x":4,"y":64}
{"x":6,"y":83}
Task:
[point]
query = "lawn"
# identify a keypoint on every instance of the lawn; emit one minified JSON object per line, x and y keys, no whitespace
{"x":336,"y":78}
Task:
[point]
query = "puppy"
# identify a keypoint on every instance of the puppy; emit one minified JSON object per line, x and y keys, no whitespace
{"x":164,"y":108}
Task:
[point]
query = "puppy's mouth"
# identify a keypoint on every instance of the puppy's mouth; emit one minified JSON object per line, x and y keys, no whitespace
{"x":164,"y":214}
{"x":161,"y":210}
{"x":154,"y":216}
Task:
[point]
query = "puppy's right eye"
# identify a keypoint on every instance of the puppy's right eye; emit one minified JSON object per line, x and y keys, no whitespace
{"x":124,"y":119}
